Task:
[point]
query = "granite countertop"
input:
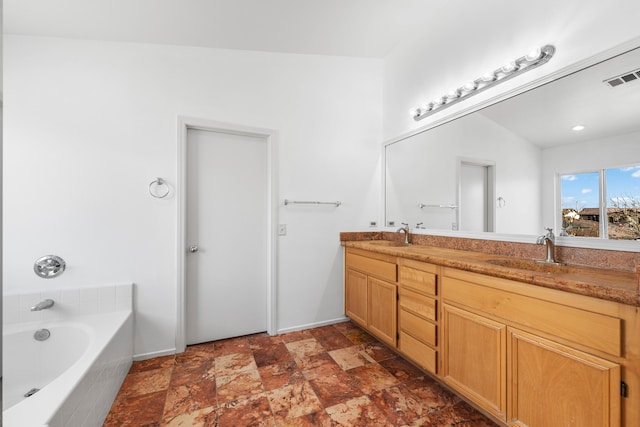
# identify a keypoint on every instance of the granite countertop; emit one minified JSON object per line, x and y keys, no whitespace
{"x":613,"y":285}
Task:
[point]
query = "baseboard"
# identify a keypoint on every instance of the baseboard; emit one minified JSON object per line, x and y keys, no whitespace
{"x":313,"y":325}
{"x":144,"y":356}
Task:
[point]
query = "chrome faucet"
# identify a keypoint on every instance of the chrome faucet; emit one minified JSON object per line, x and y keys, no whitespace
{"x":405,"y":230}
{"x":42,"y":305}
{"x":549,"y":240}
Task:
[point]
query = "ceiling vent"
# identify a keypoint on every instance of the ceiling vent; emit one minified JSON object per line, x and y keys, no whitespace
{"x":623,"y":78}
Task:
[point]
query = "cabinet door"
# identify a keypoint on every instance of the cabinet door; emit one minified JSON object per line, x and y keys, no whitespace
{"x":355,"y":296}
{"x":382,"y":310}
{"x":474,"y":358}
{"x":554,"y":385}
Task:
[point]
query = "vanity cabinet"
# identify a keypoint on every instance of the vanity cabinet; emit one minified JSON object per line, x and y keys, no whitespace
{"x":474,"y":358}
{"x":418,"y":313}
{"x":552,"y":384}
{"x":371,"y":293}
{"x":524,"y":354}
{"x":527,"y":358}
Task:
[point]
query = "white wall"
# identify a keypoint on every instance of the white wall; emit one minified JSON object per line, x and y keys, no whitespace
{"x":423,"y":169}
{"x":89,"y":124}
{"x":428,"y":65}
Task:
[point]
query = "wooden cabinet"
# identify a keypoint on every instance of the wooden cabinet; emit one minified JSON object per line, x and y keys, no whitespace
{"x":356,"y":296}
{"x":371,"y":293}
{"x":418,"y":313}
{"x":382,"y":316}
{"x":474,"y":353}
{"x":526,"y":355}
{"x":527,"y":359}
{"x":551,"y":384}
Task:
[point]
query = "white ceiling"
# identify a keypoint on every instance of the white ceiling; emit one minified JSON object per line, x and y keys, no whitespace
{"x":360,"y":28}
{"x":545,"y":116}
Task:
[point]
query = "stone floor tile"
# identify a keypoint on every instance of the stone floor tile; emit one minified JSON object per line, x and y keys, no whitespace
{"x":335,"y":388}
{"x":322,"y":330}
{"x":336,"y":375}
{"x":318,"y":365}
{"x":398,"y":404}
{"x":401,"y":369}
{"x":372,"y":377}
{"x":293,"y":401}
{"x":190,"y":397}
{"x":305,"y":348}
{"x":232,"y":364}
{"x":432,"y":395}
{"x":334,"y":341}
{"x":134,"y":411}
{"x":317,"y":419}
{"x":358,"y":336}
{"x":251,"y":411}
{"x":351,"y":357}
{"x":378,"y":351}
{"x":280,"y":375}
{"x":234,"y":387}
{"x":271,"y":355}
{"x":231,"y":346}
{"x":154,"y":363}
{"x":204,"y":417}
{"x":296,"y":336}
{"x":358,"y":412}
{"x":146,"y":382}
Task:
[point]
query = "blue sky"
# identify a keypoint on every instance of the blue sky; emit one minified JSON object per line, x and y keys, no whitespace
{"x":581,"y":190}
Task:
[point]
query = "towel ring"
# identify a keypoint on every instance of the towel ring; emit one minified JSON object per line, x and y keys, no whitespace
{"x":159,"y":182}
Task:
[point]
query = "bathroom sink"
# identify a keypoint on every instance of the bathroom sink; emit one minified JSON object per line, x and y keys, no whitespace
{"x":532,"y":265}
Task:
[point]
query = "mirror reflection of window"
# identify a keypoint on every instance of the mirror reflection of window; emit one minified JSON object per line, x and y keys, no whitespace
{"x":581,"y":204}
{"x":623,"y":202}
{"x":603,"y":203}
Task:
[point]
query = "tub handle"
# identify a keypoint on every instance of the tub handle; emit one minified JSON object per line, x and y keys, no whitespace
{"x":49,"y":266}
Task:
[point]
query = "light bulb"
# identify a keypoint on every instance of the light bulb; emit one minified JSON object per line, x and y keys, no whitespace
{"x":438,"y":101}
{"x":415,"y":112}
{"x":453,"y":94}
{"x":488,"y":77}
{"x":470,"y":86}
{"x":533,"y":55}
{"x":577,"y":128}
{"x":509,"y":67}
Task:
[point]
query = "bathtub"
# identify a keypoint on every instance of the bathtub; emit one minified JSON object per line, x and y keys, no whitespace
{"x":78,"y":369}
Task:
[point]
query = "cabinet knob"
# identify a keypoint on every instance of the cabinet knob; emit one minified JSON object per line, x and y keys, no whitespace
{"x":193,"y":249}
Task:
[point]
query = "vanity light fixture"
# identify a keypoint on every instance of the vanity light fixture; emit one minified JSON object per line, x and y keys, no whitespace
{"x":531,"y":60}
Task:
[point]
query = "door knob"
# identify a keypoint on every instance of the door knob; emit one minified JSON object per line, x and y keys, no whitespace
{"x":193,"y":249}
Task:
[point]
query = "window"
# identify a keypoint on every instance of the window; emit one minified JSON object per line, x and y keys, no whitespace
{"x":603,"y":203}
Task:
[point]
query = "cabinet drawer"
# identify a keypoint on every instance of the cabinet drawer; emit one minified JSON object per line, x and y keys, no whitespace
{"x":418,"y":276}
{"x":372,"y":267}
{"x":423,"y":355}
{"x":418,"y":304}
{"x":419,"y":328}
{"x":586,"y":328}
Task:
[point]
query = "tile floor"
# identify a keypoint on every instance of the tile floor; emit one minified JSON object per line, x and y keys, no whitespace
{"x":335,"y":375}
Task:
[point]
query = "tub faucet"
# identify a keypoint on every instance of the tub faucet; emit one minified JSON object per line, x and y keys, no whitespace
{"x":405,"y":230}
{"x":42,"y":305}
{"x":549,"y":240}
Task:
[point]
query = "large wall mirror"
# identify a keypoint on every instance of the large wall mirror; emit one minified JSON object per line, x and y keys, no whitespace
{"x":518,"y":166}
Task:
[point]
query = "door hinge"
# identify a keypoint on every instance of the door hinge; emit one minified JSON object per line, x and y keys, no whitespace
{"x":624,"y":389}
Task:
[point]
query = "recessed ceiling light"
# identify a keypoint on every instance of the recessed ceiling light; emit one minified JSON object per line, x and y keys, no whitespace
{"x":577,"y":127}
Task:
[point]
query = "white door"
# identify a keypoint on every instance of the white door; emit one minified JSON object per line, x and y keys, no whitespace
{"x":474,"y":204}
{"x":227,"y":226}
